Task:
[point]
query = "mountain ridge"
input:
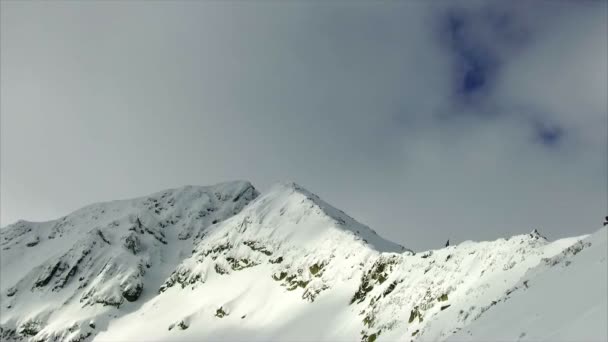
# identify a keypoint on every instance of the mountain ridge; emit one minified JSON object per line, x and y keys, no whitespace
{"x":276,"y":263}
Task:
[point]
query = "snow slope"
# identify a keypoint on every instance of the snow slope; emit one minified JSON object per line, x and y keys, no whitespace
{"x":284,"y":265}
{"x":562,"y":299}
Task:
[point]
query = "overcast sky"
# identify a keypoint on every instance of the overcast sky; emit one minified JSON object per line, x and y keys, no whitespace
{"x":425,"y":120}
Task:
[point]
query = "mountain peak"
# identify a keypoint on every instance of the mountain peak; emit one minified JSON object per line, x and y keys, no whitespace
{"x":537,"y":235}
{"x":300,"y":201}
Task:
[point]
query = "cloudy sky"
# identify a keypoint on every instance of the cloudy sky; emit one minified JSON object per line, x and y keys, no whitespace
{"x":426,"y":120}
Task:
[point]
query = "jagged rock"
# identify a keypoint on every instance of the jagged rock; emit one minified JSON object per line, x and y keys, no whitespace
{"x":132,"y":243}
{"x":220,"y":312}
{"x":132,"y":293}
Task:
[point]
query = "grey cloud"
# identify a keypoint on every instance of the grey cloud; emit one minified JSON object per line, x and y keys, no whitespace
{"x":356,"y":102}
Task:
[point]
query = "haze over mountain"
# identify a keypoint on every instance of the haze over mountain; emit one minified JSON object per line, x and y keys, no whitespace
{"x":225,"y":262}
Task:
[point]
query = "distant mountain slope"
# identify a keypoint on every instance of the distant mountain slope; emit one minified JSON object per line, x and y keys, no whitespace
{"x":222,"y":263}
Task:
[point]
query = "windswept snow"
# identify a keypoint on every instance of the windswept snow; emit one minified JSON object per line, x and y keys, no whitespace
{"x":222,"y":263}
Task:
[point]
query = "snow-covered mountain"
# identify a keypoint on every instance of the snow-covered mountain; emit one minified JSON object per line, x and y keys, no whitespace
{"x":66,"y":279}
{"x":225,"y":263}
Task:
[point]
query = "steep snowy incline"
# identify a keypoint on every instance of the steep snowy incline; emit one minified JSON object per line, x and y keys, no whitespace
{"x":65,"y":279}
{"x":562,"y":299}
{"x":288,"y":227}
